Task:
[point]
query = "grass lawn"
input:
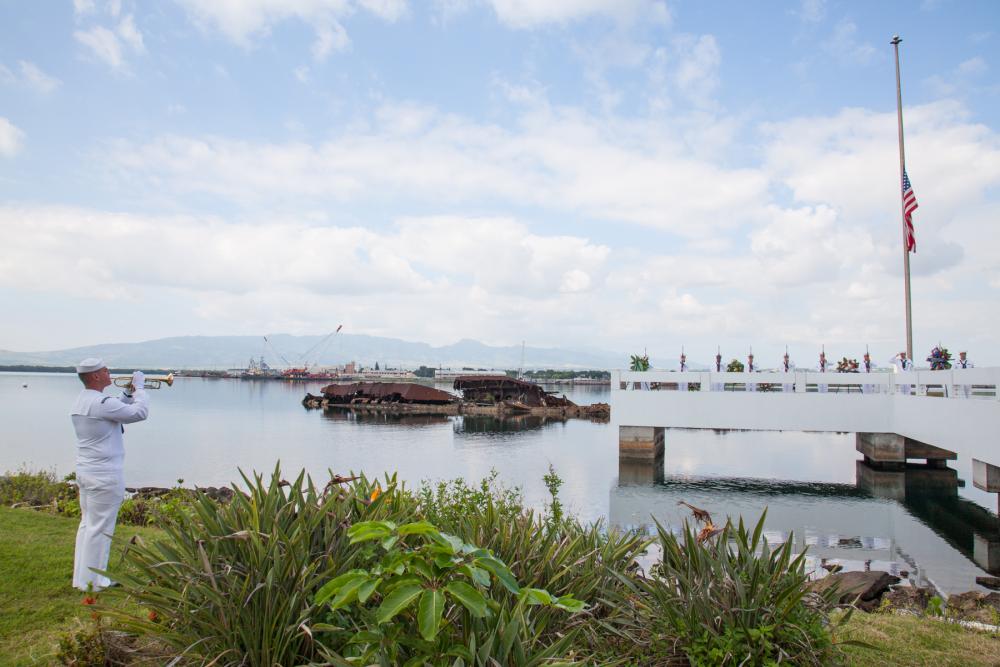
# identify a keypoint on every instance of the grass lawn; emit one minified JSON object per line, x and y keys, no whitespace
{"x":37,"y":600}
{"x":38,"y":605}
{"x":915,"y":641}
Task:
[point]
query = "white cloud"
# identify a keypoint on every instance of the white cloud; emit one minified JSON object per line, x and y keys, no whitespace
{"x":330,"y":37}
{"x":554,"y":159}
{"x":81,"y":7}
{"x":36,"y":78}
{"x":130,"y":34}
{"x":959,"y":80}
{"x":243,"y":22}
{"x":103,"y":44}
{"x":10,"y":138}
{"x":494,"y":268}
{"x":812,"y":11}
{"x":846,"y":47}
{"x":532,"y":14}
{"x":696,"y":74}
{"x":972,"y":67}
{"x":110,"y":46}
{"x":389,"y":10}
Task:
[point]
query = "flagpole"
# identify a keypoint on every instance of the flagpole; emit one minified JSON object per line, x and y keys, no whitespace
{"x":902,"y":166}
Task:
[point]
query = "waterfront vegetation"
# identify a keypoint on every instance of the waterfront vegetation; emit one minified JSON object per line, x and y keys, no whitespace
{"x":357,"y":571}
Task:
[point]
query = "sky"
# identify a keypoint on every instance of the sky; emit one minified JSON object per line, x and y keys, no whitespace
{"x":611,"y":174}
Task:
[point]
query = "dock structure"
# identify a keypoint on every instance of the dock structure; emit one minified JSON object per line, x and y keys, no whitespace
{"x":934,"y":416}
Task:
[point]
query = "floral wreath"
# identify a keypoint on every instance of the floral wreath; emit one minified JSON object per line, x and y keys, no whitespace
{"x":940,"y":359}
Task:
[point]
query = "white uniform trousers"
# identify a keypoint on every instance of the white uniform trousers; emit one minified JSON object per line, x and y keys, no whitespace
{"x":101,"y":495}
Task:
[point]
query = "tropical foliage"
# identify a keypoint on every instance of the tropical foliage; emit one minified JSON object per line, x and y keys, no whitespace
{"x":639,"y":363}
{"x":361,"y":572}
{"x":349,"y":573}
{"x":725,"y":597}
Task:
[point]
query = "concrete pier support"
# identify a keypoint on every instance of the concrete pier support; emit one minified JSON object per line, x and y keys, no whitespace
{"x":910,"y":480}
{"x":985,"y":476}
{"x":891,"y":450}
{"x":640,"y":443}
{"x":640,"y":455}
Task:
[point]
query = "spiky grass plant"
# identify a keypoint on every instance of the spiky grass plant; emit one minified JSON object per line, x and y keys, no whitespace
{"x":233,"y":583}
{"x":732,"y":599}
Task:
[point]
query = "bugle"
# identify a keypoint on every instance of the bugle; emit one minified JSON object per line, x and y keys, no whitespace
{"x":125,"y":381}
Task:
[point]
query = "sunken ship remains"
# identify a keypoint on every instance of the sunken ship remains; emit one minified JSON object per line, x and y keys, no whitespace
{"x":491,"y":395}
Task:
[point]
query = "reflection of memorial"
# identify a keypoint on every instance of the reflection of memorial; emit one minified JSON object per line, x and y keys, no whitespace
{"x":908,"y":522}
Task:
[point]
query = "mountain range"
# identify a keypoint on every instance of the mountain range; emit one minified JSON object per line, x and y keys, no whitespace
{"x":282,"y":350}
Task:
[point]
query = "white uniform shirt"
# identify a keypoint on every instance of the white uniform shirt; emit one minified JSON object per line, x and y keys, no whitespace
{"x":866,"y":370}
{"x":959,"y":364}
{"x":900,"y":365}
{"x":788,"y":387}
{"x":97,"y":419}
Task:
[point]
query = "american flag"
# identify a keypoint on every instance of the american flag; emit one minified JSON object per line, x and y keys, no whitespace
{"x":909,"y":206}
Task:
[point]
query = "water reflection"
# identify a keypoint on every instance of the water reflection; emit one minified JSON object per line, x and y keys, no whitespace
{"x":509,"y":424}
{"x":899,"y":521}
{"x":376,"y":418}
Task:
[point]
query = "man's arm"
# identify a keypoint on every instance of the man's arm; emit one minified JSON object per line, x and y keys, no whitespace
{"x":116,"y":410}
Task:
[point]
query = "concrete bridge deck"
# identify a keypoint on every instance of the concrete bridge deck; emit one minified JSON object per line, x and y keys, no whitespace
{"x":910,"y":411}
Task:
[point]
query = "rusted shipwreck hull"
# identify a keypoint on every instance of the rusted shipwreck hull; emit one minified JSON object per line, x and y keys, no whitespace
{"x":482,"y":395}
{"x":386,"y":393}
{"x":493,"y":389}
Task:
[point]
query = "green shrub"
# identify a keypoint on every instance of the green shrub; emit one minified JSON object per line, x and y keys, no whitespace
{"x":445,"y":503}
{"x":565,"y":558}
{"x":732,"y":600}
{"x":427,"y":597}
{"x":234,"y":582}
{"x":37,"y":489}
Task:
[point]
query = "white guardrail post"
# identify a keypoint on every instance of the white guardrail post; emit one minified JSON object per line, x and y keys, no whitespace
{"x":952,"y":383}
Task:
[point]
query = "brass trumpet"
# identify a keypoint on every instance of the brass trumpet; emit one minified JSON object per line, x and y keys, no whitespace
{"x":125,"y":381}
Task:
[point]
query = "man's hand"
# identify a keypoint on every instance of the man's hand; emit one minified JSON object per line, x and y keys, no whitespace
{"x":138,"y":381}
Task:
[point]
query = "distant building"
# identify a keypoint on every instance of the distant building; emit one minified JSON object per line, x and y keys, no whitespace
{"x":451,"y":374}
{"x":394,"y":374}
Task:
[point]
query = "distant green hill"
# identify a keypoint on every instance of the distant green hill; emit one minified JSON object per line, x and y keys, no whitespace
{"x":221,"y":352}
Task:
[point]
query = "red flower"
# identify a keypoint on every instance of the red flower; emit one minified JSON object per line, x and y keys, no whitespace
{"x":153,"y":616}
{"x":89,"y":599}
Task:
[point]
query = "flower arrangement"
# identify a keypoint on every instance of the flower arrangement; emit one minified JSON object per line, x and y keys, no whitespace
{"x":735,"y":366}
{"x":638,"y":363}
{"x":940,"y":359}
{"x":846,"y":365}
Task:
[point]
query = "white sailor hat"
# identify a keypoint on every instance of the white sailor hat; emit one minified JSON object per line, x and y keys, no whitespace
{"x":90,"y":364}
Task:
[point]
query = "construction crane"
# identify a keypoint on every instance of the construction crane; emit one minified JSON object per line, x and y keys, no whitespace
{"x":318,"y":348}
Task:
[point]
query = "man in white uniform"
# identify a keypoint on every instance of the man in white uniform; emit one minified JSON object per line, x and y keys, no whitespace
{"x":866,"y":366}
{"x":787,"y":367}
{"x":100,"y":457}
{"x":822,"y":388}
{"x":964,"y":390}
{"x":683,"y":386}
{"x":751,"y":368}
{"x":900,"y":364}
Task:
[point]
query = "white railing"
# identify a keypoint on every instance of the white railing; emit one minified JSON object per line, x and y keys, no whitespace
{"x":982,"y":382}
